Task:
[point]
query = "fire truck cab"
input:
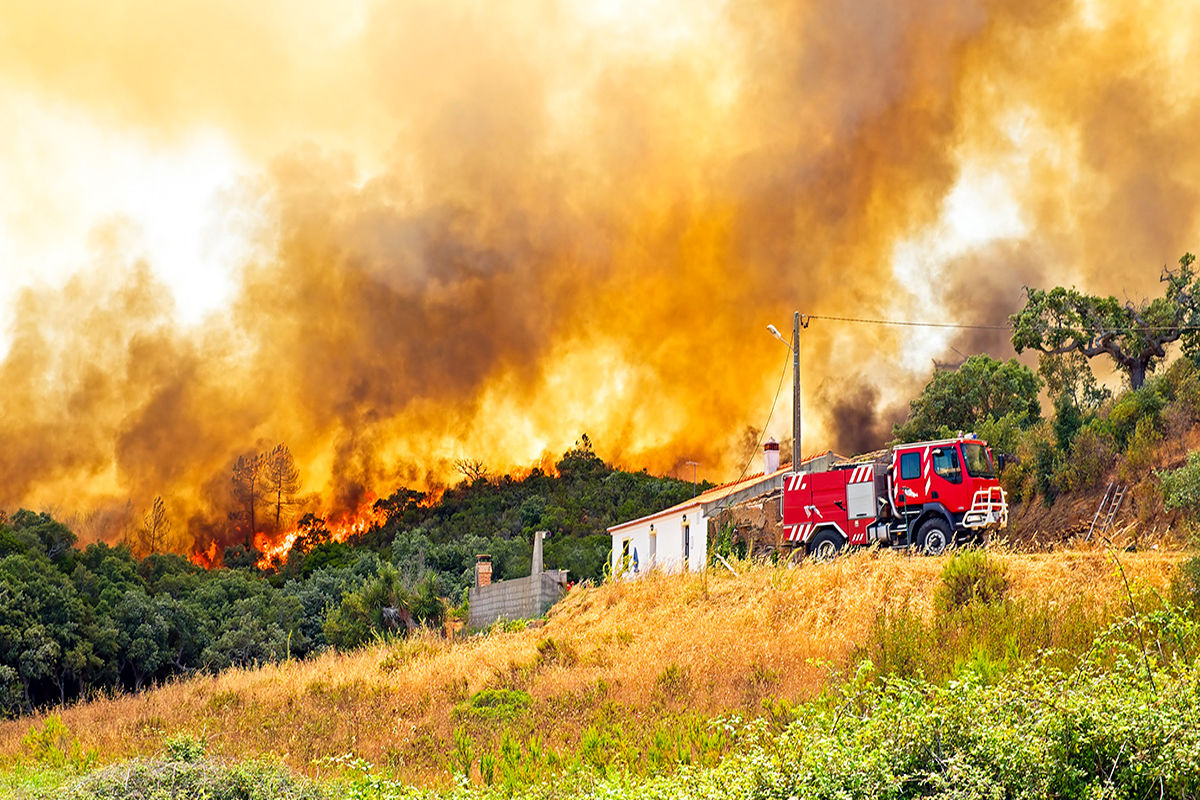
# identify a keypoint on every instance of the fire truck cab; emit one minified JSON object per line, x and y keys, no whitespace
{"x":927,"y":495}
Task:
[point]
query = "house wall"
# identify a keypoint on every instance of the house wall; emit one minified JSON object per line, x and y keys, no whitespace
{"x":668,"y":555}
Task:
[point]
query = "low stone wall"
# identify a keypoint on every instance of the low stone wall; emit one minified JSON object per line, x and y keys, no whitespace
{"x":520,"y":598}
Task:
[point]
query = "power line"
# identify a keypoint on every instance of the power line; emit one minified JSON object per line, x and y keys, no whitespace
{"x":908,"y":323}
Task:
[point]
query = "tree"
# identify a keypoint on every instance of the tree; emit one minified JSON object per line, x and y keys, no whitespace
{"x":1066,"y":320}
{"x":280,"y":480}
{"x":472,"y":469}
{"x":1069,"y":375}
{"x":247,"y":491}
{"x":981,"y":388}
{"x":155,"y":527}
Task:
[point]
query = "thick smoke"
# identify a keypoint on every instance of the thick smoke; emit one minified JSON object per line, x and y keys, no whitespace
{"x":510,"y":227}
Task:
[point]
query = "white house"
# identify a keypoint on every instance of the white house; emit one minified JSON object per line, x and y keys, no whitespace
{"x":677,"y":537}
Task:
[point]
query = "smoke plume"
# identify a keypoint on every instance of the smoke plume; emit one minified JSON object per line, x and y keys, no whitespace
{"x":482,"y":229}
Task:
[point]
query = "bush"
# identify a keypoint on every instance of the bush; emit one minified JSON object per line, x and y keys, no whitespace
{"x":53,"y":745}
{"x":192,"y":780}
{"x":1131,"y":408}
{"x":1181,"y":487}
{"x":971,"y":577}
{"x":1092,"y":455}
{"x":1185,"y":585}
{"x":1142,"y":449}
{"x":495,"y":704}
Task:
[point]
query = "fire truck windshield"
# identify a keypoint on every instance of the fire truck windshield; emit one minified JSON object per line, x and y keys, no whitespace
{"x":978,"y":460}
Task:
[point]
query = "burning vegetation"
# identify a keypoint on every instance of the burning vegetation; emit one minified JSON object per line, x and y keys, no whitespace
{"x":478,"y":230}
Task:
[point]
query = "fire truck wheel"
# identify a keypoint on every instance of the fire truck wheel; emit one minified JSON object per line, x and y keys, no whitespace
{"x":934,"y":537}
{"x":825,"y":545}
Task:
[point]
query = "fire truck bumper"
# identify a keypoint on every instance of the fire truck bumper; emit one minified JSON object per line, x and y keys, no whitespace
{"x":988,"y":507}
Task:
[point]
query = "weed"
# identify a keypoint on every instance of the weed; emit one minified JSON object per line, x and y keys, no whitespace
{"x":558,"y":652}
{"x":53,"y":745}
{"x":673,"y":682}
{"x":971,"y":577}
{"x":495,"y":704}
{"x":185,"y":747}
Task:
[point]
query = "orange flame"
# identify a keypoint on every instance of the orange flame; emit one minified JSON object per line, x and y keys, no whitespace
{"x":208,"y":558}
{"x":275,"y":549}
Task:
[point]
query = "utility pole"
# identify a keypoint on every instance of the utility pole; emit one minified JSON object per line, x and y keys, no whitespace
{"x":796,"y":392}
{"x":693,"y":465}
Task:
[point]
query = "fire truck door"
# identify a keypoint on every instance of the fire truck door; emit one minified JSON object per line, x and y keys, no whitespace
{"x":909,"y":480}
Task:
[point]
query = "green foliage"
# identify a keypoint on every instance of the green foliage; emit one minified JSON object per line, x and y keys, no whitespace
{"x":168,"y":779}
{"x":74,"y":622}
{"x":1185,"y":586}
{"x":386,"y":604}
{"x":980,"y":388}
{"x":1181,"y":487}
{"x":495,"y":703}
{"x":1092,"y":454}
{"x":1063,"y":321}
{"x":185,"y":747}
{"x":1141,"y":450}
{"x":1070,"y":376}
{"x":1004,"y":634}
{"x":53,"y":745}
{"x":971,"y":576}
{"x":1002,"y":434}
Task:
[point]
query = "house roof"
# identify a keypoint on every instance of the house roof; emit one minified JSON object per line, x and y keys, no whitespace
{"x":714,"y":494}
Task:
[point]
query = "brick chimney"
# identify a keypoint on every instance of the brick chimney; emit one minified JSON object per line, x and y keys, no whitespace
{"x":483,"y":570}
{"x":770,"y":456}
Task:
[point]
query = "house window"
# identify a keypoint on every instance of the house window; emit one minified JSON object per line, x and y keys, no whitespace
{"x":624,"y":565}
{"x":687,"y":542}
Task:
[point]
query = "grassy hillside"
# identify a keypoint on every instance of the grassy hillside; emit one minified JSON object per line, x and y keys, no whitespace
{"x":628,"y":672}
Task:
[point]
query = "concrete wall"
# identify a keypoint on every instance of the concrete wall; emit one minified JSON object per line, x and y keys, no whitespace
{"x":520,"y":598}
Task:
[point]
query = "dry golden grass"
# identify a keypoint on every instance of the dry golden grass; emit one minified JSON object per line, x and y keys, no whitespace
{"x":727,"y":641}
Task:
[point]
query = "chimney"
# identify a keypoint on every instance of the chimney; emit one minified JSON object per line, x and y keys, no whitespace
{"x":770,"y":456}
{"x":483,"y":570}
{"x":536,"y":566}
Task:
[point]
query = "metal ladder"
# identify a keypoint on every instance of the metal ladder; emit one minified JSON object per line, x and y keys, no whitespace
{"x":1110,"y":504}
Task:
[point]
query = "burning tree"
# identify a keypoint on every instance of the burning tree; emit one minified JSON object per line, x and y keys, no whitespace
{"x":281,"y":481}
{"x":155,"y":527}
{"x":247,"y":490}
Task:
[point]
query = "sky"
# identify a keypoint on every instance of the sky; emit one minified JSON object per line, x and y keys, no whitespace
{"x":397,"y":234}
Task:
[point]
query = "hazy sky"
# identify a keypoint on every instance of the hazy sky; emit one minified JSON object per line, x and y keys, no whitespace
{"x":393,"y":234}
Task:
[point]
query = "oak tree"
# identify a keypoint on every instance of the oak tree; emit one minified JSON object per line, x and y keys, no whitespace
{"x":1062,"y":320}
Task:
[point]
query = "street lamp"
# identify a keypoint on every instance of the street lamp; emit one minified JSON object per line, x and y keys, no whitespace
{"x":797,"y":320}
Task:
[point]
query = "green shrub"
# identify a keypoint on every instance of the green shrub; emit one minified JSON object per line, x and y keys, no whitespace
{"x":1132,"y":407}
{"x":185,"y":747}
{"x":1092,"y":454}
{"x":971,"y":576}
{"x":1142,"y":449}
{"x":53,"y":745}
{"x":495,"y":704}
{"x":156,"y":779}
{"x":1181,"y":487}
{"x":1185,"y":585}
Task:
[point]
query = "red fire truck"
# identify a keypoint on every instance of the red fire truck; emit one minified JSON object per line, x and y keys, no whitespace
{"x":927,"y":495}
